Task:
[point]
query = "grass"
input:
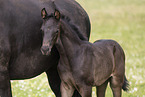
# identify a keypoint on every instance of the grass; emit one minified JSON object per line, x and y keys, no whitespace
{"x":120,"y":20}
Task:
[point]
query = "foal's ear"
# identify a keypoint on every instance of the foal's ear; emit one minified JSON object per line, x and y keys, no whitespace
{"x":57,"y":14}
{"x":43,"y":13}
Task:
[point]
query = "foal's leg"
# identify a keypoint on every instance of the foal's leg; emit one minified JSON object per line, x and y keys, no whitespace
{"x":116,"y":86}
{"x":102,"y":89}
{"x":66,"y":90}
{"x":86,"y":91}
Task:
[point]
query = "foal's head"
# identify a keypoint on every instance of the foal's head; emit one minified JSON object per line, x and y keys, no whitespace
{"x":50,"y":29}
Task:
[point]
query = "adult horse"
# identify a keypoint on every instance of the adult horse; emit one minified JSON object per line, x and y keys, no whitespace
{"x":20,"y":40}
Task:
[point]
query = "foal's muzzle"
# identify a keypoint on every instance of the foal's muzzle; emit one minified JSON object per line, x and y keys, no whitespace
{"x":45,"y":50}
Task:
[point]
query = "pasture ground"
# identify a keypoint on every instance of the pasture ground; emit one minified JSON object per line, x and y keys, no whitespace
{"x":120,"y":20}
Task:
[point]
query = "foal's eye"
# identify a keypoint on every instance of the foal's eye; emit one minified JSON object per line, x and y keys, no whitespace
{"x":57,"y":31}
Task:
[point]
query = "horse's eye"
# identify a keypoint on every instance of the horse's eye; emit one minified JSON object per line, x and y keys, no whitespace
{"x":57,"y":30}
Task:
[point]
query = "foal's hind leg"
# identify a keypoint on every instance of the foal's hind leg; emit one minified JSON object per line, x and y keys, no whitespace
{"x":116,"y":86}
{"x":66,"y":90}
{"x":102,"y":89}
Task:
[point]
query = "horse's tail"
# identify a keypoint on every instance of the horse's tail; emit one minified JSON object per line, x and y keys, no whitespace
{"x":125,"y":86}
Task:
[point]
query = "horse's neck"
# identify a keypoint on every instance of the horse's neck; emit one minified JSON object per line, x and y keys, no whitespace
{"x":60,"y":48}
{"x":70,"y":42}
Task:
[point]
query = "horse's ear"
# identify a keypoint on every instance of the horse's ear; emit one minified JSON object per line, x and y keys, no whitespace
{"x":57,"y":14}
{"x":43,"y":13}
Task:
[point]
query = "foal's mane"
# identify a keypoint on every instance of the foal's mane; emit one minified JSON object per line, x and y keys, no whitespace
{"x":73,"y":27}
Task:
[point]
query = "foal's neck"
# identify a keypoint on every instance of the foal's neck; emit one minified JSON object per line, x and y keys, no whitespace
{"x":70,"y":42}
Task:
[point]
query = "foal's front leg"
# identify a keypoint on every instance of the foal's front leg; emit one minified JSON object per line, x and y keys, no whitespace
{"x":86,"y":91}
{"x":66,"y":90}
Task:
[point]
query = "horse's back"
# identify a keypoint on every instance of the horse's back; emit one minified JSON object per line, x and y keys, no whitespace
{"x":107,"y":43}
{"x":112,"y":45}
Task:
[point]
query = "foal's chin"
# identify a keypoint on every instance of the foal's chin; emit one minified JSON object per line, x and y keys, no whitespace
{"x":46,"y":53}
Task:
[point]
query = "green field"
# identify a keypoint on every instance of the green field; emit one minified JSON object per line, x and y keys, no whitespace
{"x":120,"y":20}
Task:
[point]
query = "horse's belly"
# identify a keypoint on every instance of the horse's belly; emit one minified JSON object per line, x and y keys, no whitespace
{"x":29,"y":65}
{"x":100,"y":76}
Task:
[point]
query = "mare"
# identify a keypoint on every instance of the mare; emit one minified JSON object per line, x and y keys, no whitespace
{"x":83,"y":64}
{"x":21,"y":38}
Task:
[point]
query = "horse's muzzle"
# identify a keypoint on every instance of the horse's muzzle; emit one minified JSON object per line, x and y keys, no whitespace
{"x":45,"y":50}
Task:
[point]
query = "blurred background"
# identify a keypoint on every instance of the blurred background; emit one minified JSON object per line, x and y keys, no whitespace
{"x":120,"y":20}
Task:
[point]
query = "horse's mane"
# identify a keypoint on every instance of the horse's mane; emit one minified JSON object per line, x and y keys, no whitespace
{"x":73,"y":26}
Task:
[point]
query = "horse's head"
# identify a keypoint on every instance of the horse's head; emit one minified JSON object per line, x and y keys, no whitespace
{"x":50,"y":30}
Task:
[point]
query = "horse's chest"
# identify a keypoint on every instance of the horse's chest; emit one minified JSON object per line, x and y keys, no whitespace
{"x":65,"y":74}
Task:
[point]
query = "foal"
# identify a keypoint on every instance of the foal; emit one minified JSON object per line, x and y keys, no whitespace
{"x":83,"y":64}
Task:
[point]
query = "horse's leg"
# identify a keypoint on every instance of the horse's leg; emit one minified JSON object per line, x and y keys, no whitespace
{"x":102,"y":89}
{"x":86,"y":91}
{"x":5,"y":87}
{"x":54,"y":80}
{"x":116,"y":86}
{"x":66,"y":90}
{"x":117,"y":79}
{"x":53,"y":76}
{"x":76,"y":94}
{"x":52,"y":73}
